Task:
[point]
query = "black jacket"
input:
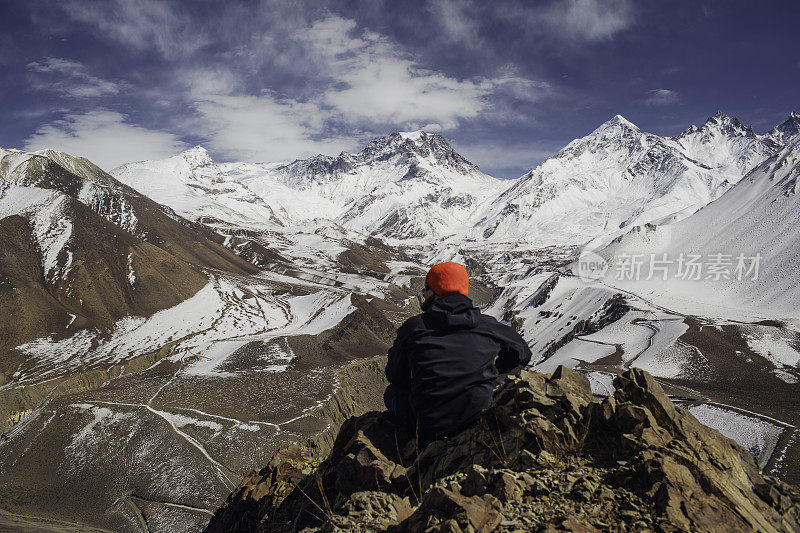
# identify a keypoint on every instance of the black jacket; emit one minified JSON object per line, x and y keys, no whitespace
{"x":446,"y":362}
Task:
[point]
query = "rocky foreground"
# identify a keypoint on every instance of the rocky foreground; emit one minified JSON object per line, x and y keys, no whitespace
{"x":547,"y":456}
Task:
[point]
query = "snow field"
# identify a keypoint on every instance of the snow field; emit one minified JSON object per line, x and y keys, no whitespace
{"x":756,"y":435}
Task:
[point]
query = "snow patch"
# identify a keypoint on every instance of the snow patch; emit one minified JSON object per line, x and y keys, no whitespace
{"x":778,"y":348}
{"x":775,"y":348}
{"x":100,"y":414}
{"x":757,"y":435}
{"x":131,"y":273}
{"x":180,"y":421}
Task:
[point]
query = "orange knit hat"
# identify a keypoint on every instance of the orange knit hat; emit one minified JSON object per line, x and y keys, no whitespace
{"x":447,"y":278}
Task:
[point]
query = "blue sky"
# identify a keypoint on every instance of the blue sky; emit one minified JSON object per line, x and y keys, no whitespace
{"x":507,"y":82}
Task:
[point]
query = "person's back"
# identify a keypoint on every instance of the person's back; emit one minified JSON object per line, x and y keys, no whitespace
{"x":446,"y":361}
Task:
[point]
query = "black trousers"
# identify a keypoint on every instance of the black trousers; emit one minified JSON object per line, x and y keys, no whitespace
{"x":398,"y":403}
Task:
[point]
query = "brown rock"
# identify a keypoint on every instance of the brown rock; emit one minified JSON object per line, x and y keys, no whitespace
{"x":482,"y":514}
{"x":377,"y":510}
{"x":546,"y":456}
{"x":506,"y":487}
{"x":364,"y":466}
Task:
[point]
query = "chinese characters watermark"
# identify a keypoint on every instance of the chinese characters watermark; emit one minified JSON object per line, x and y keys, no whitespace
{"x":687,"y":267}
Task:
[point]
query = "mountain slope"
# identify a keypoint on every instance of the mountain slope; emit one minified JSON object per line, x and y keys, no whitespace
{"x":196,"y":187}
{"x":121,"y":205}
{"x":759,"y":215}
{"x":82,"y":250}
{"x":619,"y":176}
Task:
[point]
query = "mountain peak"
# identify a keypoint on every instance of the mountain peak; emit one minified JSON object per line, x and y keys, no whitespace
{"x":617,"y":123}
{"x":197,"y":150}
{"x":415,"y":136}
{"x":620,"y":120}
{"x":721,"y":122}
{"x":197,"y":157}
{"x":418,"y":138}
{"x":416,"y":144}
{"x":724,"y":119}
{"x":786,"y":129}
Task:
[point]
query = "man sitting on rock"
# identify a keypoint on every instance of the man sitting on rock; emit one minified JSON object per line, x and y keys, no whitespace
{"x":445,"y":362}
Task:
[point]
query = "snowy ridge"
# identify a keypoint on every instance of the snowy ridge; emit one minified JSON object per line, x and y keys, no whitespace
{"x":759,"y":215}
{"x":194,"y":186}
{"x":405,"y":186}
{"x":619,"y":176}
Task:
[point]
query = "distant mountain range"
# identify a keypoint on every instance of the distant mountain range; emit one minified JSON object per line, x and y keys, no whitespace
{"x":78,"y":239}
{"x":618,"y":177}
{"x":412,"y":188}
{"x":404,"y":187}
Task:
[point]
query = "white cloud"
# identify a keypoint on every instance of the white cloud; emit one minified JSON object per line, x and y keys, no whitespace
{"x":576,"y":22}
{"x":373,"y":81}
{"x":354,"y":80}
{"x":364,"y":82}
{"x":70,"y":78}
{"x":104,"y":137}
{"x":662,"y":97}
{"x":261,"y":127}
{"x":141,"y":24}
{"x":264,"y":128}
{"x":590,"y":20}
{"x":458,"y":24}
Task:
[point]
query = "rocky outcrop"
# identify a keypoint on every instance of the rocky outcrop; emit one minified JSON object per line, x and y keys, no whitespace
{"x":359,"y":388}
{"x":546,"y":456}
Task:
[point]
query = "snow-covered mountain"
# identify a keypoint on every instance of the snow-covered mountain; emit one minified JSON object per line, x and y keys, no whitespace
{"x":412,"y":188}
{"x":786,"y":129}
{"x":726,"y":146}
{"x":404,"y":187}
{"x":619,"y":176}
{"x":192,"y":184}
{"x":757,"y":218}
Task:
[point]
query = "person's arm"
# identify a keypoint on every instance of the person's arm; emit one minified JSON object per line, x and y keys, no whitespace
{"x":514,"y":351}
{"x":398,"y":371}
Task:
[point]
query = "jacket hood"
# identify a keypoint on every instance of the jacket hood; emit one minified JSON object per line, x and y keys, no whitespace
{"x":453,"y":311}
